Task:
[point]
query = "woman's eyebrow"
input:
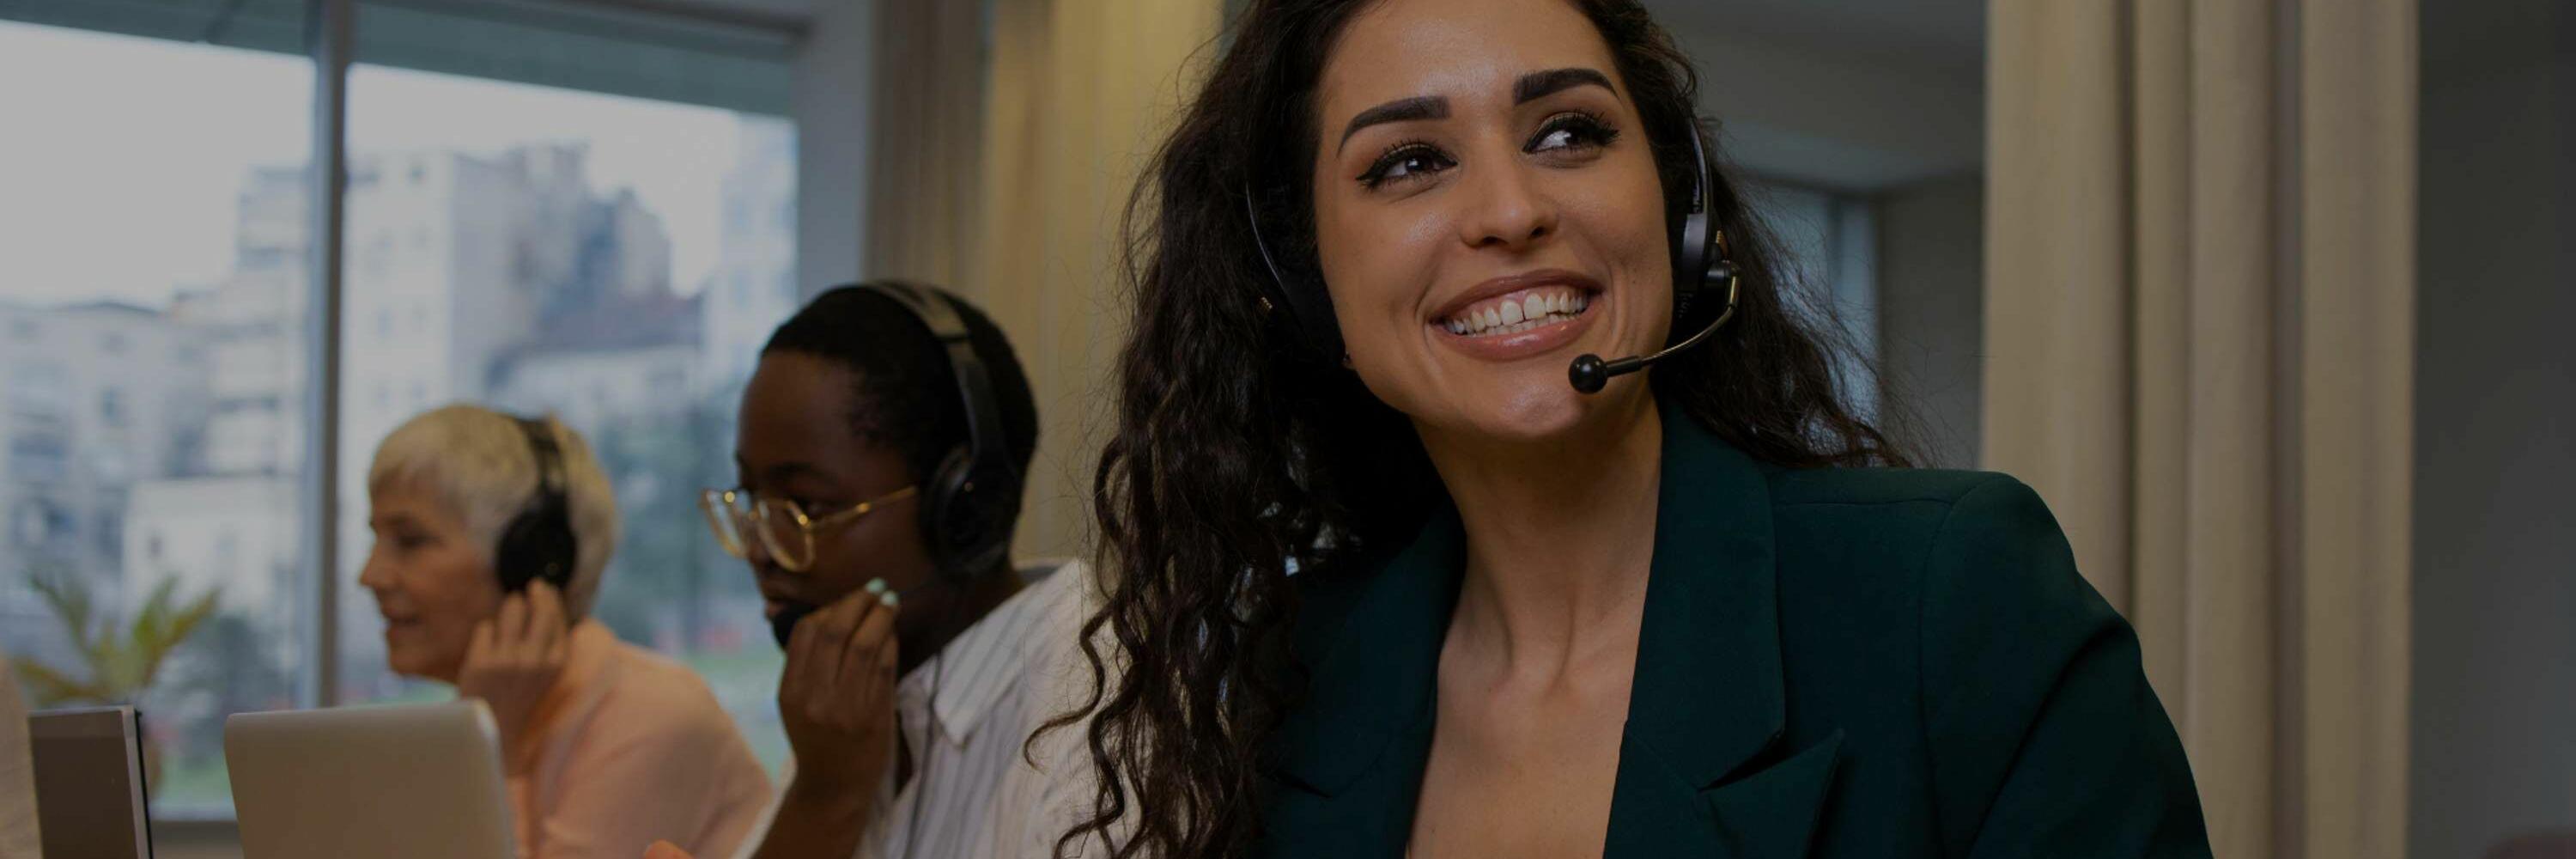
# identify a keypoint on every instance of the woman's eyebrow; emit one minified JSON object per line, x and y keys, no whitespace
{"x":1399,"y":110}
{"x":1530,"y":87}
{"x":1538,"y":85}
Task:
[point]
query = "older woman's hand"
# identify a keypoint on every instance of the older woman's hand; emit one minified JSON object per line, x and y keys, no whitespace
{"x":513,"y":662}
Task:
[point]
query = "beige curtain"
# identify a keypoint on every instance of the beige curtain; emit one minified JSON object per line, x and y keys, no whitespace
{"x":1005,"y":151}
{"x":1082,"y":91}
{"x":925,"y":140}
{"x":2199,"y":336}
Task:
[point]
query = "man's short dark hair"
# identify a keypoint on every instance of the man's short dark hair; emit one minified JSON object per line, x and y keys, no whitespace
{"x":907,"y":395}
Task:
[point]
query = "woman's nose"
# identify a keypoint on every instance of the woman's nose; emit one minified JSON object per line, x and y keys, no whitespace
{"x":374,"y":576}
{"x":1505,"y":209}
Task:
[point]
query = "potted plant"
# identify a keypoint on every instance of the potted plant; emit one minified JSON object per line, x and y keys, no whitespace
{"x":119,"y":661}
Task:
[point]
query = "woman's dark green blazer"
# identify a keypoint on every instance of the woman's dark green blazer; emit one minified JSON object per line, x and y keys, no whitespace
{"x":1834,"y":662}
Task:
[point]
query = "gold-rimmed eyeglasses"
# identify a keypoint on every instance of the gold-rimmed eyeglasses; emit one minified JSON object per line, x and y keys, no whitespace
{"x":783,"y":528}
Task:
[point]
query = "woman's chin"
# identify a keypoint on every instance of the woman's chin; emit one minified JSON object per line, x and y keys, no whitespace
{"x":420,"y":666}
{"x":1531,"y":412}
{"x":1528,"y":402}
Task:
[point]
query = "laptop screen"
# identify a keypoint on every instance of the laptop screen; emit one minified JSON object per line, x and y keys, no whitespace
{"x":89,"y":783}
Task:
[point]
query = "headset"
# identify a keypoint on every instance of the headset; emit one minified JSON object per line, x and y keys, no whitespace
{"x":971,"y":501}
{"x":1700,"y":260}
{"x":538,"y":545}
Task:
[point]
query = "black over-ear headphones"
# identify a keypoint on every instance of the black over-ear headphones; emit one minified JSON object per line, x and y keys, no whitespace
{"x":1699,"y":260}
{"x":538,"y":544}
{"x":971,"y":502}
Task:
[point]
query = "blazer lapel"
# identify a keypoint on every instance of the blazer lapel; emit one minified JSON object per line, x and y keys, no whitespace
{"x":1351,"y":756}
{"x":1700,"y":770}
{"x":1774,"y":812}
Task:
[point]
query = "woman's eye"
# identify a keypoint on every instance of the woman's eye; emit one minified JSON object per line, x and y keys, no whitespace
{"x":1410,"y":161}
{"x":1572,"y":131}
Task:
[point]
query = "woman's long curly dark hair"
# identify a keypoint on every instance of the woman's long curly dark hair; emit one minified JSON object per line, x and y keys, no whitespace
{"x":1240,"y":454}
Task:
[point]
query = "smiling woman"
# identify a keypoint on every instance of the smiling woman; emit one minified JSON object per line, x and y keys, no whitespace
{"x":1687,"y":612}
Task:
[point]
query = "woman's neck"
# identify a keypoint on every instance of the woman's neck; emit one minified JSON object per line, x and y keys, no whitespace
{"x":1560,"y":535}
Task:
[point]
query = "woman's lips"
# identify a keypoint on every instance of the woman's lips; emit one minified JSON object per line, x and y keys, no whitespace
{"x":1519,"y":310}
{"x":1505,"y":330}
{"x":1534,"y":280}
{"x":400,"y":626}
{"x":1518,"y":316}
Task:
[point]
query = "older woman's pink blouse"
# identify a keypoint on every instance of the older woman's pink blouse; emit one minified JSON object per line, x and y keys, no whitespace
{"x":632,"y":749}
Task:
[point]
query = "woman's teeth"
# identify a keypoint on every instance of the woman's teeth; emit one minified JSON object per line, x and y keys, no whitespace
{"x":1516,"y":313}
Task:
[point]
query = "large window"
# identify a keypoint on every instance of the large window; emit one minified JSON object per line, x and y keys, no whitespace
{"x":571,"y":208}
{"x":153,"y":318}
{"x":614,"y":261}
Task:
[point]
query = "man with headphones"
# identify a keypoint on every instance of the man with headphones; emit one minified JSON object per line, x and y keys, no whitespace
{"x":883,"y":439}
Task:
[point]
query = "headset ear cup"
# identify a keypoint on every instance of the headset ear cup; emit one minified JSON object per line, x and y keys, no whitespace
{"x":509,"y":556}
{"x":538,"y":543}
{"x":949,"y":525}
{"x":1303,"y":310}
{"x":968,"y":530}
{"x":555,"y":554}
{"x":1694,"y":236}
{"x":536,"y":547}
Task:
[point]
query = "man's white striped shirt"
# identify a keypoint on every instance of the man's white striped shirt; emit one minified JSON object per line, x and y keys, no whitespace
{"x":973,"y":794}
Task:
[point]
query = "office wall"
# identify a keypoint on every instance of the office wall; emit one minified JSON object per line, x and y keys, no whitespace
{"x":2494,"y":717}
{"x":1823,"y":97}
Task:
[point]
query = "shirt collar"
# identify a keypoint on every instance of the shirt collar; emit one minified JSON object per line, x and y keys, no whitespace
{"x":989,"y":657}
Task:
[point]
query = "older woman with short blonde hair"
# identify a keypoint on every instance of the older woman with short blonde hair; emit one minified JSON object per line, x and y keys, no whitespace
{"x":492,"y":534}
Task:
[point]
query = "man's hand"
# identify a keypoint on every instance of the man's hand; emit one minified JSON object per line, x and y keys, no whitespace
{"x":836,"y":698}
